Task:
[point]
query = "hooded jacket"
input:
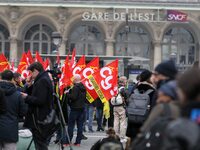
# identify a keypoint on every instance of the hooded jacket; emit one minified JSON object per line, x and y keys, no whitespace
{"x":15,"y":108}
{"x":77,"y":96}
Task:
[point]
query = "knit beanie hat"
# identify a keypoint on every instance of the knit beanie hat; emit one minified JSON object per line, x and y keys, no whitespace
{"x":167,"y":68}
{"x":169,"y":89}
{"x":145,"y":75}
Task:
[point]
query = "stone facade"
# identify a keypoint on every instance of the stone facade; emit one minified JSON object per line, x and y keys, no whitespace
{"x":18,"y":19}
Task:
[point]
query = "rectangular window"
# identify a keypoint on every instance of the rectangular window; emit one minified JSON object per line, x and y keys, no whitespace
{"x":44,"y":48}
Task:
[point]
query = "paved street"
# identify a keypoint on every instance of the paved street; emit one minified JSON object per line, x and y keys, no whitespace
{"x":85,"y":144}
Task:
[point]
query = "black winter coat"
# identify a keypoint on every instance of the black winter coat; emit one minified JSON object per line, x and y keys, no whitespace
{"x":15,"y":108}
{"x":133,"y":128}
{"x":77,"y":96}
{"x":40,"y":101}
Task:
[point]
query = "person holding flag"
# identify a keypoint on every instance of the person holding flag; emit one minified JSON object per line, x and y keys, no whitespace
{"x":77,"y":100}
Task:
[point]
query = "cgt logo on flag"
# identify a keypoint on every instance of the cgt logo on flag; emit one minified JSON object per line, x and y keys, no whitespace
{"x":174,"y":15}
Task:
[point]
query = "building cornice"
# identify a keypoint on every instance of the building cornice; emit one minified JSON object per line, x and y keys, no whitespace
{"x":123,"y":4}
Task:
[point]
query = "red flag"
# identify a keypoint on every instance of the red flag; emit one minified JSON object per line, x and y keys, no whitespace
{"x":46,"y":64}
{"x":73,"y":59}
{"x":65,"y":79}
{"x":91,"y":67}
{"x":79,"y":66}
{"x":105,"y":81}
{"x":23,"y":65}
{"x":4,"y":64}
{"x":66,"y":61}
{"x":12,"y":67}
{"x":38,"y":58}
{"x":29,"y":57}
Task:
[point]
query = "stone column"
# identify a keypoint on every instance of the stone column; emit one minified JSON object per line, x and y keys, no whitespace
{"x":13,"y":49}
{"x":109,"y":47}
{"x":157,"y":53}
{"x":62,"y":48}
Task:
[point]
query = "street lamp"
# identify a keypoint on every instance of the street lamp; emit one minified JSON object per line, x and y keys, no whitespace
{"x":56,"y":39}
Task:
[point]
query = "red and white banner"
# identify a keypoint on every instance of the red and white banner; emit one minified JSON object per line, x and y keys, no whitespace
{"x":105,"y":81}
{"x":92,"y":67}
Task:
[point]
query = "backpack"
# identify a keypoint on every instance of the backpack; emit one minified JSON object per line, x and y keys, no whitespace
{"x":181,"y":134}
{"x":118,"y":99}
{"x":152,"y":139}
{"x":138,"y":106}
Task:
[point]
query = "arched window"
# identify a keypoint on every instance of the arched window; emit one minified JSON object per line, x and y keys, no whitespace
{"x":4,"y":41}
{"x":179,"y":44}
{"x":133,"y":42}
{"x":38,"y":38}
{"x":87,"y":39}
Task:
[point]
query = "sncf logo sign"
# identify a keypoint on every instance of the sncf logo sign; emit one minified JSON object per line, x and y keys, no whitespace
{"x":173,"y":15}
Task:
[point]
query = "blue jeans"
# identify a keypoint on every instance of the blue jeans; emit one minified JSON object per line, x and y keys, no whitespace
{"x":99,"y":116}
{"x":76,"y":116}
{"x":90,"y":116}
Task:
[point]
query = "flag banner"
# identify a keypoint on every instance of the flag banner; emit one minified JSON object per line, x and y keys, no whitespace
{"x":38,"y":58}
{"x":66,"y":76}
{"x":46,"y":64}
{"x":4,"y":64}
{"x":105,"y":84}
{"x":90,"y":68}
{"x":79,"y":66}
{"x":97,"y":88}
{"x":23,"y":65}
{"x":73,"y":59}
{"x":105,"y":81}
{"x":12,"y":67}
{"x":29,"y":57}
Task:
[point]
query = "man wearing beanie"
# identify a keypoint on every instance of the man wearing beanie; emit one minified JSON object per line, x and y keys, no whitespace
{"x":163,"y":73}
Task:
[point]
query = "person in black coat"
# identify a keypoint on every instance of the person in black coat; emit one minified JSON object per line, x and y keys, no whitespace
{"x":144,"y":84}
{"x":40,"y":102}
{"x":15,"y":108}
{"x":2,"y":102}
{"x":77,"y":100}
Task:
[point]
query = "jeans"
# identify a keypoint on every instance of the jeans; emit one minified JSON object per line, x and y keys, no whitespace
{"x":90,"y":116}
{"x":99,"y":116}
{"x":76,"y":116}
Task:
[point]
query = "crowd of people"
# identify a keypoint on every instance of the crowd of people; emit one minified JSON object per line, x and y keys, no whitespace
{"x":163,"y":101}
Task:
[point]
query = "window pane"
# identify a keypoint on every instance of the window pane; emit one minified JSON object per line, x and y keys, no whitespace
{"x":7,"y":49}
{"x":135,"y":42}
{"x":35,"y":47}
{"x":44,"y":48}
{"x":27,"y":47}
{"x":165,"y":52}
{"x":191,"y":55}
{"x":44,"y":37}
{"x":86,"y":38}
{"x":36,"y":37}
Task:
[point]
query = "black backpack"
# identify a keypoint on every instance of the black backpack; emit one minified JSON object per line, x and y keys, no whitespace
{"x":138,"y":106}
{"x":152,"y":138}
